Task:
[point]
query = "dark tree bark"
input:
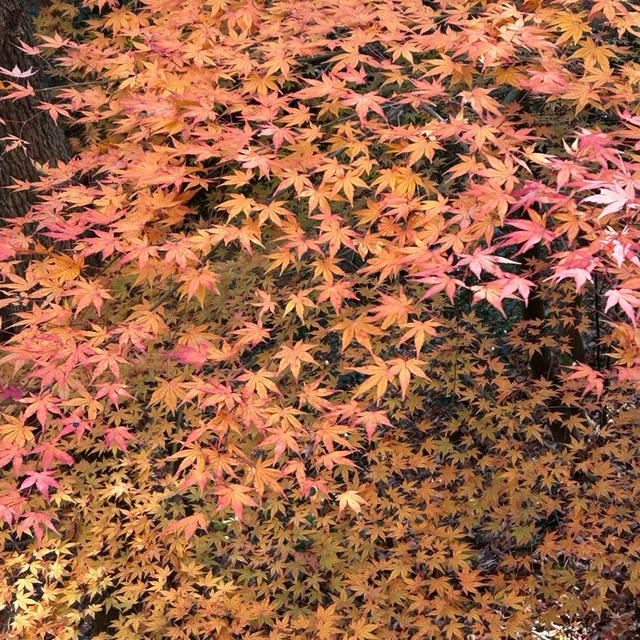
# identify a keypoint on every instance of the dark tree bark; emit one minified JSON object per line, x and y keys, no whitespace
{"x":22,"y":119}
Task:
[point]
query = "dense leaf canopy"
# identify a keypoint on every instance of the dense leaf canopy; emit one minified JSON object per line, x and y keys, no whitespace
{"x":328,"y":329}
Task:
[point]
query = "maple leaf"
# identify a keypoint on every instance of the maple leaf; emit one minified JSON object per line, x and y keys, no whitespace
{"x":468,"y":165}
{"x":53,"y":110}
{"x":267,"y":304}
{"x":299,"y":301}
{"x":362,"y":630}
{"x":372,"y":420}
{"x":493,"y":293}
{"x":50,"y":453}
{"x":234,"y":496}
{"x":512,"y":283}
{"x":197,"y":282}
{"x":484,"y":260}
{"x":324,"y":621}
{"x":616,"y":198}
{"x":179,"y":254}
{"x":187,"y":354}
{"x":572,"y":25}
{"x":15,"y":431}
{"x":88,"y":293}
{"x":168,"y":392}
{"x":314,"y":395}
{"x":261,"y":475}
{"x":593,"y":54}
{"x":54,"y":42}
{"x":259,"y":382}
{"x":282,"y":439}
{"x":336,"y":293}
{"x":19,"y":91}
{"x":419,"y":330}
{"x":333,"y":458}
{"x":329,"y":434}
{"x":423,"y":147}
{"x":501,"y":172}
{"x":628,"y":300}
{"x":584,"y":93}
{"x":577,"y":265}
{"x":359,"y":329}
{"x":531,"y":232}
{"x":118,"y":436}
{"x":112,"y":390}
{"x":380,"y":375}
{"x":64,"y":268}
{"x":278,"y":135}
{"x":12,"y":454}
{"x":352,"y":500}
{"x":401,"y":181}
{"x":37,"y":520}
{"x":394,"y":309}
{"x":139,"y":250}
{"x":404,"y":369}
{"x":480,"y":101}
{"x":326,"y":86}
{"x":470,"y":580}
{"x":41,"y":406}
{"x":253,"y":333}
{"x":291,"y":357}
{"x":445,"y":66}
{"x":28,"y":49}
{"x":43,"y":480}
{"x":594,"y":379}
{"x":17,"y":73}
{"x":188,"y":525}
{"x":237,"y":204}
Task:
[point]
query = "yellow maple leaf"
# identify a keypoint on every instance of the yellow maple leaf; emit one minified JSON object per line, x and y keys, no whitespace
{"x":350,"y":499}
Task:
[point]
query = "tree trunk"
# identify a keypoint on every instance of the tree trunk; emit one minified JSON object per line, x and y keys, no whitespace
{"x":21,"y":118}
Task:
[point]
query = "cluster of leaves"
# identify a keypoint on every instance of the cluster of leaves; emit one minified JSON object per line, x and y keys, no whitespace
{"x":267,"y":361}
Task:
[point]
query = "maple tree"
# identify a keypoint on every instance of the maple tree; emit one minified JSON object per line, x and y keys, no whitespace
{"x":328,"y":326}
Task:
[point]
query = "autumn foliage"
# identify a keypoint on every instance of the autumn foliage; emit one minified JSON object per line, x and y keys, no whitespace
{"x":329,"y":328}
